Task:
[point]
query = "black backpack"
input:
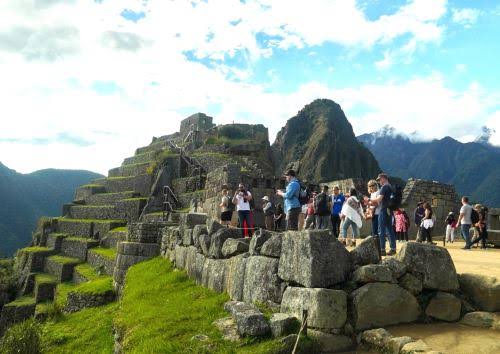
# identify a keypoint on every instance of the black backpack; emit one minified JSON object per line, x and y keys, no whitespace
{"x":396,"y":197}
{"x":474,"y":216}
{"x":304,"y":194}
{"x":321,"y":204}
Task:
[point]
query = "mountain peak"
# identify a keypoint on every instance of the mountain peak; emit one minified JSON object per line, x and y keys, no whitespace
{"x":485,"y":136}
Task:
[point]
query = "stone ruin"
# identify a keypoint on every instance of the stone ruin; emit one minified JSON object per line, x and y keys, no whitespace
{"x":118,"y":221}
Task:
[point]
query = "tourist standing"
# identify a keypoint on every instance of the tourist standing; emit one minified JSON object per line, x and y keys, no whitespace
{"x":242,"y":199}
{"x":226,"y":210}
{"x":401,"y":221}
{"x":352,"y":215}
{"x":291,"y":197}
{"x":374,"y":208}
{"x":279,"y":215}
{"x":465,"y":222}
{"x":322,"y":209}
{"x":427,"y":224}
{"x":337,"y":201}
{"x":310,"y":217}
{"x":268,"y":209}
{"x":481,"y":226}
{"x":418,"y":216}
{"x":451,"y":225}
{"x":384,"y":220}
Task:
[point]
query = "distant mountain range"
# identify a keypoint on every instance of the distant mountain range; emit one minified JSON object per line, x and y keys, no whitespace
{"x":26,"y":197}
{"x":474,"y":168}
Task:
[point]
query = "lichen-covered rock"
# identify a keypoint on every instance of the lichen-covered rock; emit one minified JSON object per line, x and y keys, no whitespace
{"x":395,"y":344}
{"x":214,"y":274}
{"x":249,"y":320}
{"x":411,"y":283}
{"x":218,"y":239}
{"x":180,"y":256}
{"x":235,"y":280}
{"x":415,"y":347}
{"x":397,"y":268}
{"x":197,"y":231}
{"x":376,"y":338}
{"x":372,"y":273}
{"x":205,"y":241}
{"x":233,"y":247}
{"x":479,"y":319}
{"x":366,"y":252}
{"x":187,"y":237}
{"x":213,"y":226}
{"x":227,"y":327}
{"x":445,"y":307}
{"x":272,"y":247}
{"x":190,"y":220}
{"x":313,"y":259}
{"x":430,"y":263}
{"x":283,"y":324}
{"x":483,"y":291}
{"x":258,"y":239}
{"x":261,"y":280}
{"x":331,"y":343}
{"x":381,"y":304}
{"x":326,"y":308}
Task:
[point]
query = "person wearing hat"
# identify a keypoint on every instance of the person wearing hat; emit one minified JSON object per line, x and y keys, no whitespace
{"x":268,"y":209}
{"x":291,"y":198}
{"x":451,"y":225}
{"x":417,"y":218}
{"x":384,"y":218}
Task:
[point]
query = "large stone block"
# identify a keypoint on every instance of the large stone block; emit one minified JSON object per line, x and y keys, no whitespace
{"x":233,"y":247}
{"x":272,"y":247}
{"x":366,"y":252}
{"x":139,"y":249}
{"x":249,"y":320}
{"x":430,"y":263}
{"x":326,"y":308}
{"x":214,"y":274}
{"x":483,"y":291}
{"x":445,"y":307}
{"x":190,"y":220}
{"x":205,"y":241}
{"x":261,"y":280}
{"x":218,"y":239}
{"x":213,"y":226}
{"x":235,"y":280}
{"x":411,"y":283}
{"x":180,"y":257}
{"x":332,"y":343}
{"x":187,"y":237}
{"x":372,"y":273}
{"x":313,"y":259}
{"x":283,"y":324}
{"x":397,"y":268}
{"x":381,"y":304}
{"x":479,"y":319}
{"x":258,"y":240}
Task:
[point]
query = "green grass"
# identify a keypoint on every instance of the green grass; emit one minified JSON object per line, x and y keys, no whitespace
{"x":134,"y":199}
{"x":120,"y":229}
{"x":22,"y":301}
{"x":62,"y":292}
{"x":162,"y":309}
{"x":97,"y":286}
{"x":64,"y":259}
{"x":87,"y":331}
{"x":44,"y":278}
{"x":35,"y":249}
{"x":96,"y":221}
{"x":91,"y":185}
{"x":109,"y":253}
{"x":87,"y":271}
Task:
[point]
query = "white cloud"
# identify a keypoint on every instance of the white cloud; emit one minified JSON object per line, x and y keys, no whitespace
{"x":465,"y":17}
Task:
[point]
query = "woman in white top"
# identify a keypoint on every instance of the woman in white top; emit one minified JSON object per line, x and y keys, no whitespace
{"x":242,"y":199}
{"x":374,"y":209}
{"x":352,"y":214}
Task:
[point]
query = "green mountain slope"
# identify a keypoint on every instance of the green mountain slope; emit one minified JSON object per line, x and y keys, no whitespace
{"x":26,"y":197}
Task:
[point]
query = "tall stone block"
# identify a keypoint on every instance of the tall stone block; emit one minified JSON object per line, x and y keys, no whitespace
{"x":261,"y":280}
{"x":313,"y":259}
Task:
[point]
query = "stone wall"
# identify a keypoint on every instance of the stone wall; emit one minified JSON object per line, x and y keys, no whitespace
{"x":196,"y":122}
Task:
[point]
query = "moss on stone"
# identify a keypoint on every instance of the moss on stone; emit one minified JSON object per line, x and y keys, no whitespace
{"x":97,"y":221}
{"x":44,"y":278}
{"x":98,"y":286}
{"x":22,"y":301}
{"x":64,"y":259}
{"x":109,"y":253}
{"x":87,"y":271}
{"x":35,"y":249}
{"x":119,"y":229}
{"x":91,"y":185}
{"x":136,"y":199}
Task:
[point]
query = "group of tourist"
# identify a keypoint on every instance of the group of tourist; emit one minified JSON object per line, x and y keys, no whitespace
{"x":341,"y":212}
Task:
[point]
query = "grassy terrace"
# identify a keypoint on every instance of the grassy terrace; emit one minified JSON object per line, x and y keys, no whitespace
{"x":91,"y":185}
{"x":22,"y":301}
{"x":65,"y":260}
{"x":35,"y":249}
{"x":97,"y":286}
{"x":134,"y":199}
{"x":120,"y":229}
{"x":109,"y":253}
{"x":97,"y":221}
{"x":44,"y":278}
{"x":87,"y":271}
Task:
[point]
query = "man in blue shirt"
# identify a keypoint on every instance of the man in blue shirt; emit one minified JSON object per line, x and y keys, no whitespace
{"x":338,"y":200}
{"x":291,"y":197}
{"x":384,"y":217}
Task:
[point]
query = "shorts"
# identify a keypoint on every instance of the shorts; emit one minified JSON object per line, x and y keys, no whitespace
{"x":226,"y":215}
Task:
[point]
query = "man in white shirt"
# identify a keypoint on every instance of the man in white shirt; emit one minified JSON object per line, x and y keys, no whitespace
{"x":242,"y":199}
{"x":465,"y":222}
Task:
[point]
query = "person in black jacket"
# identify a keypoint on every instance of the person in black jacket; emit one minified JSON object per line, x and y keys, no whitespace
{"x":418,"y":216}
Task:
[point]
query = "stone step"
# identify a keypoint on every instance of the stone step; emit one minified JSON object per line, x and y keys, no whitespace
{"x":186,"y":198}
{"x":54,"y":241}
{"x":140,"y":183}
{"x":102,"y":259}
{"x":109,"y":198}
{"x":32,"y":258}
{"x":45,"y":287}
{"x":96,"y":292}
{"x":16,"y":311}
{"x":61,"y":267}
{"x":77,"y":247}
{"x":87,"y":227}
{"x":100,"y":212}
{"x":129,"y":170}
{"x":114,"y":236}
{"x":146,"y":157}
{"x":87,"y":190}
{"x":83,"y":273}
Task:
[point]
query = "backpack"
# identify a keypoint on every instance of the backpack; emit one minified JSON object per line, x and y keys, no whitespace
{"x":321,"y":204}
{"x":396,"y":197}
{"x":304,"y":194}
{"x":474,"y":216}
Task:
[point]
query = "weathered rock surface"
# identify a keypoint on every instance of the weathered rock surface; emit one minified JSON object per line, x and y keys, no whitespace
{"x":366,"y":252}
{"x":326,"y":308}
{"x":249,"y":320}
{"x":213,"y":226}
{"x":205,"y":241}
{"x":272,"y":247}
{"x":415,"y":347}
{"x":261,"y":280}
{"x":214,"y":274}
{"x":396,"y":344}
{"x":233,"y":247}
{"x":445,"y":307}
{"x":483,"y":291}
{"x":313,"y":259}
{"x":382,"y":304}
{"x":190,"y":220}
{"x":235,"y":279}
{"x":283,"y":324}
{"x":372,"y":273}
{"x":376,"y":338}
{"x":431,"y":263}
{"x":397,"y":268}
{"x":479,"y":319}
{"x":197,"y":231}
{"x":258,"y":239}
{"x":331,"y":343}
{"x":227,"y":327}
{"x":411,"y":283}
{"x":218,"y":239}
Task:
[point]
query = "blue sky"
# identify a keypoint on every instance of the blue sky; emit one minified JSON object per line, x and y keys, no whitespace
{"x":85,"y":83}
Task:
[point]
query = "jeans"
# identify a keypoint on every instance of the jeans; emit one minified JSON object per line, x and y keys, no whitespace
{"x":335,"y":218}
{"x":483,"y":237}
{"x":426,"y":234}
{"x":322,"y":222}
{"x":355,"y":230}
{"x":292,"y":219}
{"x":375,"y":231}
{"x":386,"y":229}
{"x":244,"y":215}
{"x":310,"y":222}
{"x":465,"y":228}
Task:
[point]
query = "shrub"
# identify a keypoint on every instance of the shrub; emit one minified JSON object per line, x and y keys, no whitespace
{"x":24,"y":337}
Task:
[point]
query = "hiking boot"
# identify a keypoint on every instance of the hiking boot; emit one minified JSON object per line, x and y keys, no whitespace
{"x":391,"y":253}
